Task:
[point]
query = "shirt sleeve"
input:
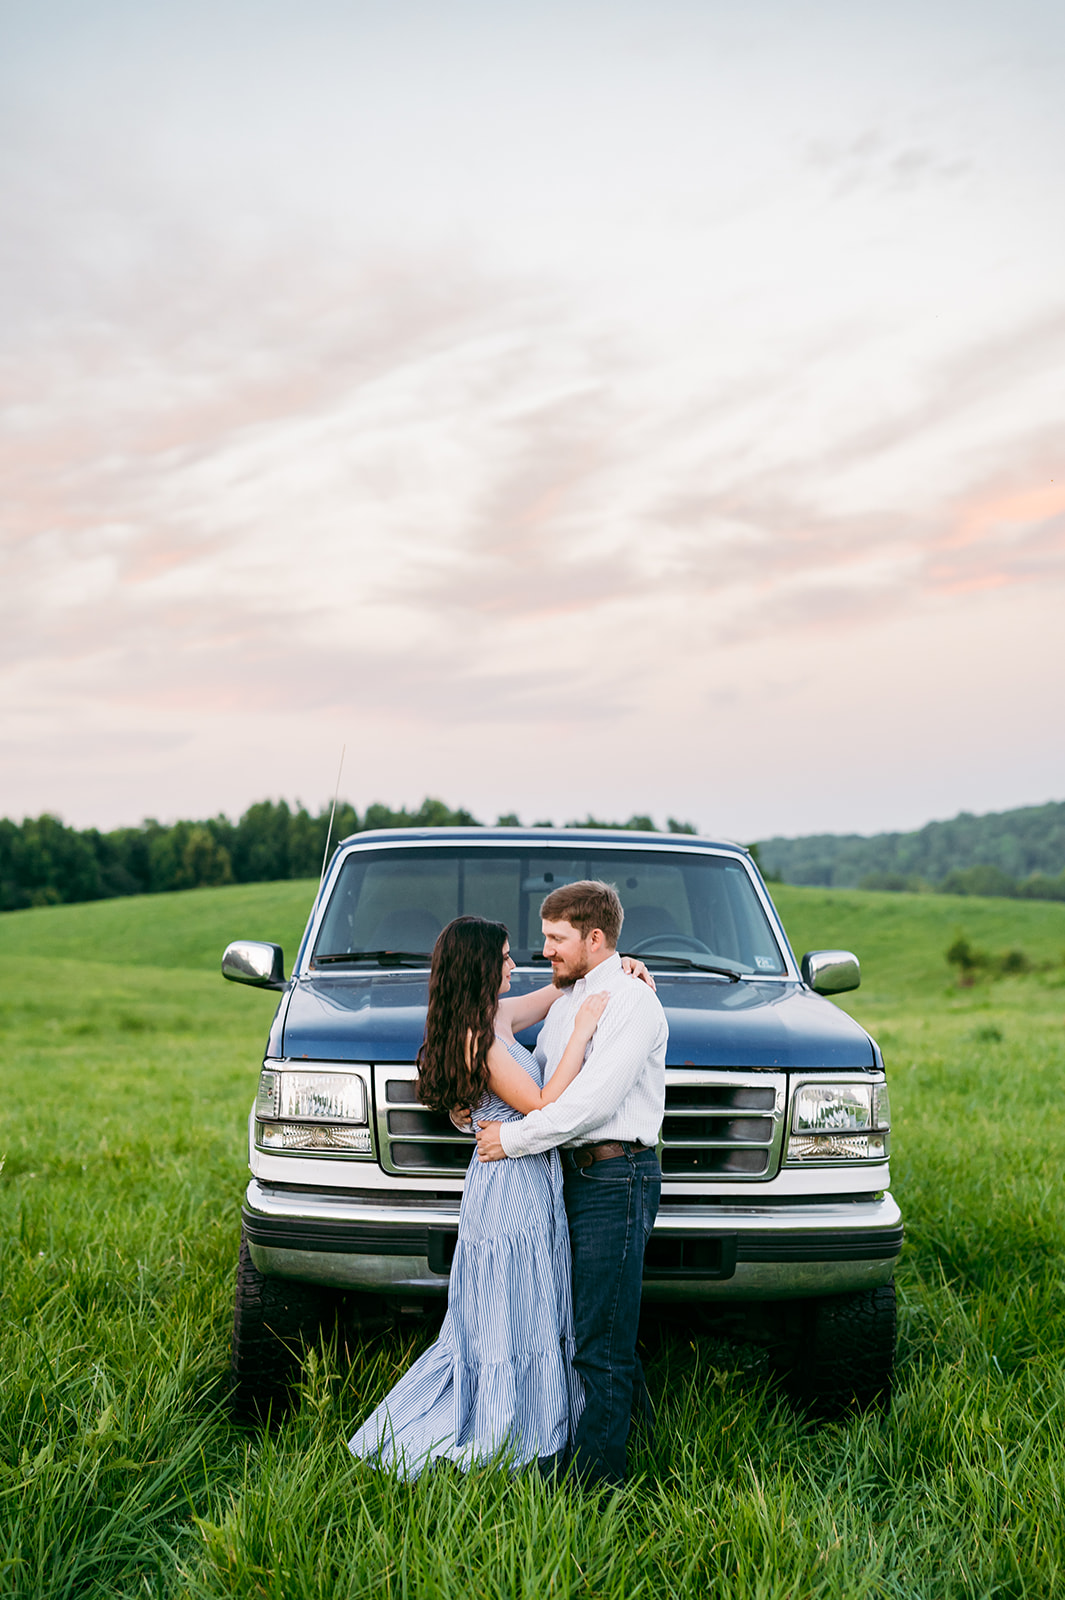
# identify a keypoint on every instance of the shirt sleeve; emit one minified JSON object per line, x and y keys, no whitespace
{"x":621,"y":1047}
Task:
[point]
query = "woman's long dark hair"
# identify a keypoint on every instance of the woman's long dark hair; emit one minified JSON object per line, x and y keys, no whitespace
{"x":464,"y":983}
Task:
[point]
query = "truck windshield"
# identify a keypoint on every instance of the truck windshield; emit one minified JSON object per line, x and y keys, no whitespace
{"x":677,"y":903}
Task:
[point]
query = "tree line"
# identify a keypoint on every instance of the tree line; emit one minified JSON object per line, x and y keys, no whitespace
{"x":1019,"y":853}
{"x":44,"y":862}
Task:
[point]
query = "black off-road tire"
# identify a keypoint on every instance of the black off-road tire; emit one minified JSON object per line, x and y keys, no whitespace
{"x":846,"y":1354}
{"x":274,"y":1320}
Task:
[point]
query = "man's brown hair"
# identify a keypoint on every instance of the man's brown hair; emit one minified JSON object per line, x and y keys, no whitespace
{"x":586,"y":905}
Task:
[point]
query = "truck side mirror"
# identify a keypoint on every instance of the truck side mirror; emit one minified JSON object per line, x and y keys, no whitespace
{"x":830,"y":971}
{"x":248,"y":961}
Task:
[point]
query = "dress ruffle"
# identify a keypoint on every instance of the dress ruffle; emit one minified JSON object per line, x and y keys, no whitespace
{"x":498,"y":1383}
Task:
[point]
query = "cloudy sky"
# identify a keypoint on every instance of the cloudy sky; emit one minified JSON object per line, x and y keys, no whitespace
{"x":589,"y":406}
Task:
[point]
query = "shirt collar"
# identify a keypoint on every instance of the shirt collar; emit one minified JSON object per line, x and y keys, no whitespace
{"x":601,"y":976}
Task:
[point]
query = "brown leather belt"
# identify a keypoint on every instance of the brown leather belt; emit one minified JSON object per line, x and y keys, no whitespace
{"x":609,"y":1150}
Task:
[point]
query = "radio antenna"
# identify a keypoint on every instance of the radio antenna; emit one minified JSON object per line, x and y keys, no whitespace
{"x":332,"y":814}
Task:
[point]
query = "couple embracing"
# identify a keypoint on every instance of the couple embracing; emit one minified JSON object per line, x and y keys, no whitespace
{"x":536,"y":1359}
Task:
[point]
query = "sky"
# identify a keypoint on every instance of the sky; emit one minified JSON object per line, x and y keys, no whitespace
{"x":560,"y":408}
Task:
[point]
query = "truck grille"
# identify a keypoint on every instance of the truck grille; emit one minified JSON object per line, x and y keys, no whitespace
{"x":410,"y":1138}
{"x":726,"y":1125}
{"x":722,"y":1124}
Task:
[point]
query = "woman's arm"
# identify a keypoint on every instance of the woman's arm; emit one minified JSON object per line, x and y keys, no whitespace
{"x":518,"y":1011}
{"x":513,"y":1084}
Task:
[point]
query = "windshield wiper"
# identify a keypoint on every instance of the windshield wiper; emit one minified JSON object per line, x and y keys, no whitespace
{"x":688,"y":964}
{"x":384,"y":958}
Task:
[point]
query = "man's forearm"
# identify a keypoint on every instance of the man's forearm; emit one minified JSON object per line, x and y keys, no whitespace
{"x":555,"y":1124}
{"x":622,"y":1044}
{"x":603,"y":1084}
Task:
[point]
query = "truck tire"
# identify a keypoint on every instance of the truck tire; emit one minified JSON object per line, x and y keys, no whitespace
{"x":846,"y":1355}
{"x":274,"y":1319}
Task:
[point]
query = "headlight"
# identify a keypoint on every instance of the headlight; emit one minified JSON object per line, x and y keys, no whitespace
{"x":832,"y":1107}
{"x":839,"y":1122}
{"x":312,"y":1110}
{"x":312,"y":1136}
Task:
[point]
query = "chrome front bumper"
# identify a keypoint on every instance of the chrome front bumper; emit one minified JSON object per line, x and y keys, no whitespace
{"x":696,"y":1253}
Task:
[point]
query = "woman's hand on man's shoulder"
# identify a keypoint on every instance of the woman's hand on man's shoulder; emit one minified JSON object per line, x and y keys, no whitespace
{"x":636,"y":969}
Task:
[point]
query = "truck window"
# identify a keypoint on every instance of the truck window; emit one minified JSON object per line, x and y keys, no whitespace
{"x":691,"y":903}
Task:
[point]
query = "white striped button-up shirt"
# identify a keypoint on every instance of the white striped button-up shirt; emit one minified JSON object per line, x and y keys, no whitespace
{"x":620,"y":1092}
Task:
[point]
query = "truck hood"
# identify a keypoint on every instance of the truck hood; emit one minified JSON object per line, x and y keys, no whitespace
{"x":720,"y":1024}
{"x":712,"y":1023}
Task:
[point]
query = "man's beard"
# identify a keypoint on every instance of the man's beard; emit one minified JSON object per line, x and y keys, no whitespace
{"x":566,"y":980}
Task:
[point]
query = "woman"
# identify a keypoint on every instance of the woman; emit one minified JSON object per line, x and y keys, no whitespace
{"x":499,"y":1380}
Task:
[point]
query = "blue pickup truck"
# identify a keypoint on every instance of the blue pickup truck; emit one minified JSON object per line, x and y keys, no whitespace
{"x":776,"y":1222}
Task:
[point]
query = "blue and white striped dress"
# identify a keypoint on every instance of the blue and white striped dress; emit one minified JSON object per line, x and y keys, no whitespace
{"x":499,"y":1381}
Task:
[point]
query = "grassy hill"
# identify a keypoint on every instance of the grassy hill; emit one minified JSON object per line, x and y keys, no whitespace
{"x":126,"y":1075}
{"x":188,"y":929}
{"x":901,"y":939}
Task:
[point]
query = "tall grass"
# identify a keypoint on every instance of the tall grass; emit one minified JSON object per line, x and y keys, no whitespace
{"x":127,"y":1071}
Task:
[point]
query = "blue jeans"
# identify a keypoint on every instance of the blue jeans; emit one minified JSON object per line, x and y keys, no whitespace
{"x":611,"y":1206}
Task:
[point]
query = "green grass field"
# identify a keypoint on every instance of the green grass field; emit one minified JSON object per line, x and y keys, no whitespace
{"x":128,"y":1068}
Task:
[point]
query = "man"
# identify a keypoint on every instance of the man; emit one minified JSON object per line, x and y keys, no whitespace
{"x":607,"y":1125}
